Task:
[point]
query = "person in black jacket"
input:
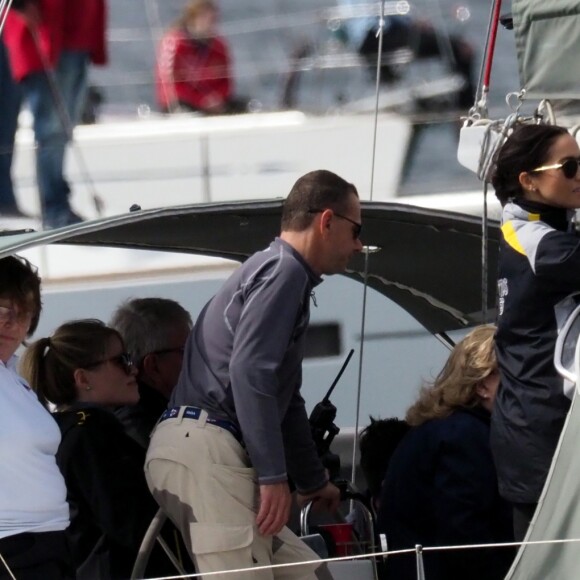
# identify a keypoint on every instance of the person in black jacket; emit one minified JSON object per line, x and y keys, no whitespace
{"x":154,"y":331}
{"x":377,"y":443}
{"x":84,"y":370}
{"x":441,"y":488}
{"x":537,"y":182}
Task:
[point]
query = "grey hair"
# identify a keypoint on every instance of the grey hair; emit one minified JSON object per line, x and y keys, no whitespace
{"x":146,"y":324}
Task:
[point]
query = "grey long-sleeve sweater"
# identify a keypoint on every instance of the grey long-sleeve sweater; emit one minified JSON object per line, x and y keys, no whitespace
{"x":243,"y":362}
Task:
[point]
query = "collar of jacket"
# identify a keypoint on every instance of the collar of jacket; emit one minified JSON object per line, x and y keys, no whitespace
{"x":556,"y":217}
{"x":479,"y":412}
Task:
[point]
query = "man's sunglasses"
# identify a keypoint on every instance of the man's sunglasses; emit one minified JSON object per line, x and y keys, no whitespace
{"x":569,"y":167}
{"x":357,"y":228}
{"x":124,"y":361}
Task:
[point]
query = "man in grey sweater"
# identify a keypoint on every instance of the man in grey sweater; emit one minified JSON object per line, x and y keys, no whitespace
{"x":236,"y":426}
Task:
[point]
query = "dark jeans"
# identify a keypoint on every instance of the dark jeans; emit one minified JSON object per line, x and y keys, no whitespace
{"x":32,"y":556}
{"x":10,"y":101}
{"x":54,"y":117}
{"x":523,"y":514}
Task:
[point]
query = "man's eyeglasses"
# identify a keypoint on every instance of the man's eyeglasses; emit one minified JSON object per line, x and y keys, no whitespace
{"x":569,"y":167}
{"x":124,"y":361}
{"x":357,"y":228}
{"x":10,"y":315}
{"x":179,"y":349}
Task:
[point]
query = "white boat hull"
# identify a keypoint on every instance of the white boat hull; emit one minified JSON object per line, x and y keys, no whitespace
{"x":189,"y":159}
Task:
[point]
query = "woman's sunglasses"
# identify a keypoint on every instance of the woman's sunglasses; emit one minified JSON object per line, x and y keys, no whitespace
{"x":569,"y":167}
{"x":124,"y":361}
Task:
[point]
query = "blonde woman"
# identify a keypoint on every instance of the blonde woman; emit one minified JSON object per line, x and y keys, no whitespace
{"x":440,"y":488}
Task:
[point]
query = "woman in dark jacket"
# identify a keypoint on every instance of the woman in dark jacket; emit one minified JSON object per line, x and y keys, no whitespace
{"x":538,"y":184}
{"x":440,"y":488}
{"x":83,"y":370}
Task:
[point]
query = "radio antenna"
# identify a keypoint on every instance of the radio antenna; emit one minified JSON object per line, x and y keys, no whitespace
{"x":342,"y":369}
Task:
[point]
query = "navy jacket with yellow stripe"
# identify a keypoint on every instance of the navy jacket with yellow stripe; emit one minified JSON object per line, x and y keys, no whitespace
{"x":539,"y":272}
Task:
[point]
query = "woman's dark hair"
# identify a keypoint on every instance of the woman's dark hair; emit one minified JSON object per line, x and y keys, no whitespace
{"x":20,"y":282}
{"x":49,"y":363}
{"x":527,"y":148}
{"x":377,"y":444}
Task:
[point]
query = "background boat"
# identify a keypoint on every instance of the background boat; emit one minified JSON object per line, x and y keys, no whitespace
{"x":134,"y":156}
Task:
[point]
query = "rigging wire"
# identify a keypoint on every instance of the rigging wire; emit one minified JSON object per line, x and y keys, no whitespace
{"x":4,"y":8}
{"x":2,"y":557}
{"x":380,"y":34}
{"x":486,"y":79}
{"x":484,"y":256}
{"x":476,"y":113}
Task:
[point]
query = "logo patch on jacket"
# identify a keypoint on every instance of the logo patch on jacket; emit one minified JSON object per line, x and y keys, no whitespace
{"x":502,"y":292}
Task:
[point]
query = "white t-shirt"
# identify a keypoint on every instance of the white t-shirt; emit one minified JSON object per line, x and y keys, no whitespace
{"x":32,"y":489}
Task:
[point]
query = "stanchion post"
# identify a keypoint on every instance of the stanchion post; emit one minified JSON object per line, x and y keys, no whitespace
{"x":420,"y":566}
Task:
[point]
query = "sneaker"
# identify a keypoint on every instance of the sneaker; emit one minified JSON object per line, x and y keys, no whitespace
{"x":60,"y":220}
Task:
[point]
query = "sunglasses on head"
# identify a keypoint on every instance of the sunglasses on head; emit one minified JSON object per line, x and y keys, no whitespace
{"x":357,"y":228}
{"x":569,"y":167}
{"x":124,"y":361}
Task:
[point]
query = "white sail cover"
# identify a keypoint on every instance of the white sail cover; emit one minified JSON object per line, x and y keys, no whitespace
{"x":558,"y":513}
{"x":557,"y":516}
{"x":547,"y":34}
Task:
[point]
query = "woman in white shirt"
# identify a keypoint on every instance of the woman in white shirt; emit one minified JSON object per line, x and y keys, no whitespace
{"x":33,"y":508}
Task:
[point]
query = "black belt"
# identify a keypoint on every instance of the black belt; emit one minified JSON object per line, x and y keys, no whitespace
{"x":195,"y":412}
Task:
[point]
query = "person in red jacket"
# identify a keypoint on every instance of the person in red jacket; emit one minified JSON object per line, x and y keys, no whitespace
{"x":193,"y":64}
{"x":50,"y":44}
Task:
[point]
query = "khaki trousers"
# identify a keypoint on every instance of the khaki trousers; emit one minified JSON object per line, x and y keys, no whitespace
{"x":201,"y":477}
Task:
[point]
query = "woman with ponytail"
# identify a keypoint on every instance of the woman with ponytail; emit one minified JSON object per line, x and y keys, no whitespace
{"x":84,"y":372}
